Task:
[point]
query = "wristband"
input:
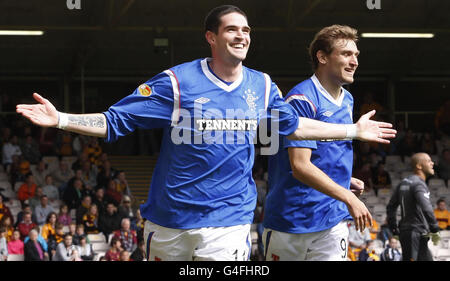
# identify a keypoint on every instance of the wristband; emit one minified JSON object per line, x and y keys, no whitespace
{"x":351,"y":131}
{"x":63,"y":120}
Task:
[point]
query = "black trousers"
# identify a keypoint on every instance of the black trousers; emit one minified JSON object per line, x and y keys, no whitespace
{"x":415,"y":246}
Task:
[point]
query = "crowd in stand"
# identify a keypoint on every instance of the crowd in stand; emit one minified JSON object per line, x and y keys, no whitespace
{"x":62,"y":204}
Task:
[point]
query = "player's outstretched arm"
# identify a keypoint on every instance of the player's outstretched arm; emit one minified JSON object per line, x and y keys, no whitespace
{"x":364,"y":130}
{"x":44,"y":114}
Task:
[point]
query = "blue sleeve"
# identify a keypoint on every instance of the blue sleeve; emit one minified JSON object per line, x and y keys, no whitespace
{"x":304,"y":106}
{"x":281,"y":112}
{"x":149,"y":106}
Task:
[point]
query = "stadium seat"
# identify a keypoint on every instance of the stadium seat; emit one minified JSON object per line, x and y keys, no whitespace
{"x":3,"y":176}
{"x":15,"y":257}
{"x":442,"y":254}
{"x":405,"y":174}
{"x":393,"y":159}
{"x":97,"y":238}
{"x":436,"y":182}
{"x":17,"y":185}
{"x":100,"y":247}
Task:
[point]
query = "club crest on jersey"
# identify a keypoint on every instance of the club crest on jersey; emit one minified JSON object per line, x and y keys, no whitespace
{"x":145,"y":90}
{"x":250,"y":98}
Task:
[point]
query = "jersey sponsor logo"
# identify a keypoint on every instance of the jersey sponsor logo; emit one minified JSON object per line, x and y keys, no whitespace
{"x":250,"y":99}
{"x":226,"y":125}
{"x":145,"y":90}
{"x":202,"y":100}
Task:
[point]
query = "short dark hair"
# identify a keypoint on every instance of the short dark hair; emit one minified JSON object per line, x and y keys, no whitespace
{"x":440,"y":200}
{"x":212,"y":20}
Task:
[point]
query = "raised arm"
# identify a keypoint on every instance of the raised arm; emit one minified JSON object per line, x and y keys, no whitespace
{"x":364,"y":130}
{"x":44,"y":114}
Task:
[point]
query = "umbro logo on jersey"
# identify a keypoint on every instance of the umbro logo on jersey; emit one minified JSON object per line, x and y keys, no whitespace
{"x":426,"y":195}
{"x":328,"y":113}
{"x":202,"y":100}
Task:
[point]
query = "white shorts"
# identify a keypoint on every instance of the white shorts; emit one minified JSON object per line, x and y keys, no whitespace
{"x":199,"y":244}
{"x":326,"y":245}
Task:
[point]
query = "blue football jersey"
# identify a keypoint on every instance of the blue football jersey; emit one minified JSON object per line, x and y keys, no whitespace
{"x":203,"y":177}
{"x":292,"y":206}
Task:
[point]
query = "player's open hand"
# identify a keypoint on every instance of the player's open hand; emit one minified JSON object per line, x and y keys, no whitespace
{"x":42,"y":114}
{"x":370,"y":130}
{"x":361,"y":215}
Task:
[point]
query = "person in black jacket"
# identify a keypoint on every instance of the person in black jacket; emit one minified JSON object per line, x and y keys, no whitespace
{"x":33,"y":250}
{"x":418,"y":222}
{"x":109,"y":220}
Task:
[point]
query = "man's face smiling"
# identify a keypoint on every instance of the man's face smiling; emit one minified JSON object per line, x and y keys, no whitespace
{"x":342,"y":62}
{"x":232,"y":40}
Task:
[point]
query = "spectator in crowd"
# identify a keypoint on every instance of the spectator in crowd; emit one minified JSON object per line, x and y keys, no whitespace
{"x":3,"y":244}
{"x":122,"y":183}
{"x":64,"y":143}
{"x":4,"y":210}
{"x":93,"y":150}
{"x":26,"y":225}
{"x":139,"y":253}
{"x":73,"y":231}
{"x":83,"y":208}
{"x":27,"y":189}
{"x":99,"y":200}
{"x":36,"y":199}
{"x":374,"y":229}
{"x":124,"y":256}
{"x":356,"y":239}
{"x":6,"y":222}
{"x":62,"y":176}
{"x":18,"y":170}
{"x":50,"y":190}
{"x":73,"y":194}
{"x":64,"y":216}
{"x":78,"y":164}
{"x":86,"y":251}
{"x":370,"y":104}
{"x":65,"y":250}
{"x":89,"y":174}
{"x":25,"y":209}
{"x":364,"y":173}
{"x":43,"y":210}
{"x":125,"y":209}
{"x":442,"y":215}
{"x":385,"y":232}
{"x":49,"y":228}
{"x":55,"y":239}
{"x":408,"y":145}
{"x":33,"y":250}
{"x":79,"y":233}
{"x":113,"y":254}
{"x":127,"y":236}
{"x":39,"y":173}
{"x":381,"y":179}
{"x":76,"y":254}
{"x":391,"y":252}
{"x":109,"y":221}
{"x":16,"y":246}
{"x":30,"y":150}
{"x":40,"y":239}
{"x":443,"y":169}
{"x":10,"y":148}
{"x":138,"y":225}
{"x":78,"y":143}
{"x":106,"y":173}
{"x":90,"y":220}
{"x":112,"y":195}
{"x":368,"y":252}
{"x":427,"y":143}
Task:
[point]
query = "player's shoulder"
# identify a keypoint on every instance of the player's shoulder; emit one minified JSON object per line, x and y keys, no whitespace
{"x":305,"y":88}
{"x":255,"y":73}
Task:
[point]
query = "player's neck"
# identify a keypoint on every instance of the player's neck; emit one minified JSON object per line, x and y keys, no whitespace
{"x":420,"y":174}
{"x":333,"y":88}
{"x":228,"y":72}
